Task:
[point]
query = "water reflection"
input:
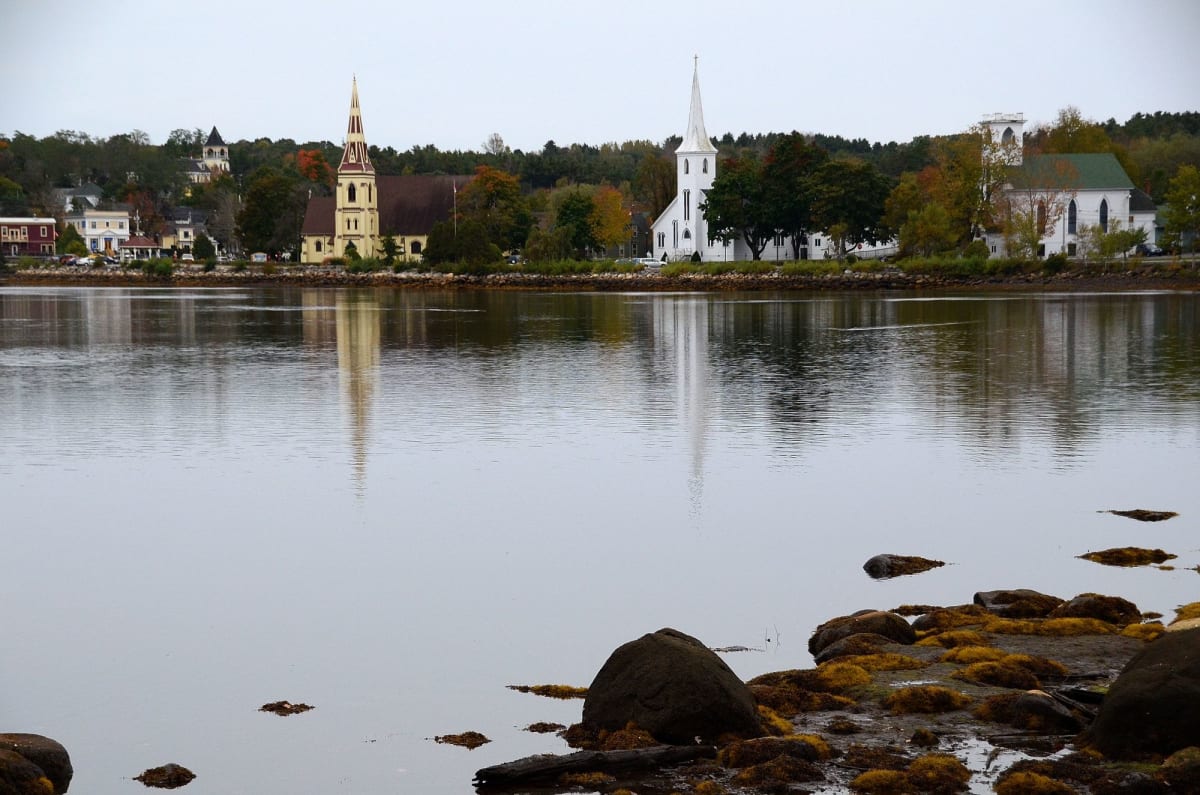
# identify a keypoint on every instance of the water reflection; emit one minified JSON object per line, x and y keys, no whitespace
{"x":358,"y":334}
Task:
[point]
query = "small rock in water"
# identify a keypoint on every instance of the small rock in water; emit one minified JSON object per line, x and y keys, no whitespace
{"x":168,"y":776}
{"x":284,"y":708}
{"x":883,"y":567}
{"x":468,"y":740}
{"x":1142,"y":515}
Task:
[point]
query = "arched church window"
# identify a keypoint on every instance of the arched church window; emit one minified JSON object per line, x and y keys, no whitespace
{"x":1072,"y":222}
{"x":368,"y":194}
{"x":1008,"y":136}
{"x":351,"y":193}
{"x":704,"y":166}
{"x":1041,"y":218}
{"x":687,"y":234}
{"x":685,"y":166}
{"x":317,"y":245}
{"x":1104,"y":214}
{"x":416,"y":247}
{"x":687,"y":205}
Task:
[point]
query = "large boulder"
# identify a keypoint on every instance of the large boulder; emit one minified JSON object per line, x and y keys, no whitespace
{"x":19,"y":776}
{"x":674,"y":687}
{"x":1151,"y":708}
{"x":878,"y":622}
{"x":49,"y":755}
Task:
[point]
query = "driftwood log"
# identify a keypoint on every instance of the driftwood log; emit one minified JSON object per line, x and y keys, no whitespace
{"x":548,"y":767}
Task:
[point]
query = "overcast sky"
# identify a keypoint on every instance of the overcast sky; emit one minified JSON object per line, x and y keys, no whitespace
{"x":450,"y":73}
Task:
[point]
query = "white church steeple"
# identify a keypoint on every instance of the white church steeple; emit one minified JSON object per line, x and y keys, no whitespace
{"x":696,"y":140}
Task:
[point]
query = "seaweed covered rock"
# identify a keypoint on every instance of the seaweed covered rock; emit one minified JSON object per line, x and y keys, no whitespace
{"x":883,"y":567}
{"x":894,"y":627}
{"x":1151,"y":708}
{"x":1112,"y":609}
{"x":19,"y":776}
{"x":674,"y":687}
{"x":1018,"y":603}
{"x":47,"y":754}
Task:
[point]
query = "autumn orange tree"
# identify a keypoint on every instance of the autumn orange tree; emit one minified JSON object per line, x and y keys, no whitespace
{"x":313,"y":166}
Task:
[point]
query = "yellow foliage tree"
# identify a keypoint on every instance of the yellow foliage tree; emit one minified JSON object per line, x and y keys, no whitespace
{"x":609,"y":218}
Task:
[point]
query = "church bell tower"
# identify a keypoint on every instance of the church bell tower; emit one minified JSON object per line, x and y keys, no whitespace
{"x":356,"y":219}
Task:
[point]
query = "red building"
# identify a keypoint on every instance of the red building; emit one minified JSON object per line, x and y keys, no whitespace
{"x":20,"y":237}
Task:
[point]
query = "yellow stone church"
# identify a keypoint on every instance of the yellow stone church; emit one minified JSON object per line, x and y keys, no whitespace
{"x":367,"y":207}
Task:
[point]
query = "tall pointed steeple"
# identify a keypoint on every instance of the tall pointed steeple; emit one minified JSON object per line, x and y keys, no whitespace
{"x":696,"y":138}
{"x":354,"y":156}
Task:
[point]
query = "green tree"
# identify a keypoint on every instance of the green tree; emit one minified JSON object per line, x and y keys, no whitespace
{"x":1182,"y":213}
{"x":574,"y":218}
{"x":70,"y":242}
{"x":271,"y":213}
{"x":493,"y":200}
{"x":737,"y":204}
{"x":390,"y":247}
{"x":849,"y":196}
{"x":791,"y":185}
{"x":467,"y":244}
{"x":12,"y":198}
{"x":654,"y":183}
{"x":927,"y":231}
{"x":203,"y":248}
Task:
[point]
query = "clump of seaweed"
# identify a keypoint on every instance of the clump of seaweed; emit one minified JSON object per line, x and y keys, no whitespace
{"x":966,"y":655}
{"x":168,"y":776}
{"x":774,"y":723}
{"x":1028,"y":783}
{"x":469,"y":740}
{"x":778,"y":773}
{"x":552,"y":691}
{"x":1050,"y":627}
{"x":952,"y":638}
{"x":924,"y":738}
{"x":882,"y":782}
{"x":884,"y":662}
{"x":1142,"y":515}
{"x":1128,"y":556}
{"x":839,"y":677}
{"x":284,"y":708}
{"x":542,"y":727}
{"x":626,"y":739}
{"x":1187,"y":612}
{"x":926,"y":699}
{"x":1147,"y":632}
{"x":915,"y":610}
{"x":744,"y":753}
{"x":950,"y":618}
{"x":869,"y":757}
{"x":998,"y":673}
{"x":938,"y":773}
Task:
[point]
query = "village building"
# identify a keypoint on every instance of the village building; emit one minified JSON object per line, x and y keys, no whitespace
{"x":184,"y":225}
{"x":367,"y":208}
{"x":103,"y":231}
{"x":86,"y":194}
{"x":213,"y":160}
{"x":1069,"y":192}
{"x":27,"y":237}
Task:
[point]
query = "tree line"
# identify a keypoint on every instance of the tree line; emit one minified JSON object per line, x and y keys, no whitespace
{"x":807,"y":180}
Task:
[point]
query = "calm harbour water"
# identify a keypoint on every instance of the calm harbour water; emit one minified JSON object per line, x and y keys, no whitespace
{"x":392,"y":504}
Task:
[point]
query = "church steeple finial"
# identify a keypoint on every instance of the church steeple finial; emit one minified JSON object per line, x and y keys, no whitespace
{"x":696,"y":138}
{"x":354,"y":156}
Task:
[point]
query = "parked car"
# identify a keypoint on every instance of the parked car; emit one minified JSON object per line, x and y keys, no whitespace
{"x":1149,"y":250}
{"x":187,"y":258}
{"x":648,"y":262}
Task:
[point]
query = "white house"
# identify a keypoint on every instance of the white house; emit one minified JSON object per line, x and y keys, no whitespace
{"x":1070,"y":191}
{"x":103,"y":231}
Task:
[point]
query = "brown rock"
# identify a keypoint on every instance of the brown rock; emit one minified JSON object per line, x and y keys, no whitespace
{"x":878,"y":622}
{"x":47,"y":754}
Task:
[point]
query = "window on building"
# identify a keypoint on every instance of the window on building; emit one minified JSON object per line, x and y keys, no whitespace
{"x":1070,"y":249}
{"x":778,"y":239}
{"x":1008,"y":136}
{"x":687,"y":205}
{"x":1041,"y":219}
{"x":687,"y":234}
{"x":816,"y":242}
{"x":1104,"y":214}
{"x":675,"y":234}
{"x":704,"y":166}
{"x":317,"y":246}
{"x":1041,"y":250}
{"x":662,"y":239}
{"x":351,"y":193}
{"x":368,"y":194}
{"x":686,"y":166}
{"x":93,"y":224}
{"x":43,"y":231}
{"x":416,"y":247}
{"x":1072,"y":218}
{"x":120,"y":224}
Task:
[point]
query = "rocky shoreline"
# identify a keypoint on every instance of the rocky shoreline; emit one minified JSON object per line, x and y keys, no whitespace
{"x":1015,"y":692}
{"x":1153,"y":279}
